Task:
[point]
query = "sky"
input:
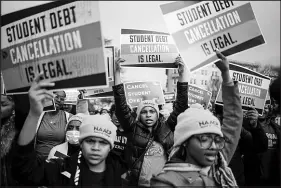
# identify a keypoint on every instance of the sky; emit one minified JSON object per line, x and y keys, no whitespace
{"x":147,"y":15}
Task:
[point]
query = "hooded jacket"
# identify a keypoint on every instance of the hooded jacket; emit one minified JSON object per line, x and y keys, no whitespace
{"x":141,"y":136}
{"x":33,"y":171}
{"x":251,"y":142}
{"x":257,"y":164}
{"x":185,"y":174}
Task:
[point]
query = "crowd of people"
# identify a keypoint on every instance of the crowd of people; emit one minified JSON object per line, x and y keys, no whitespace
{"x":145,"y":147}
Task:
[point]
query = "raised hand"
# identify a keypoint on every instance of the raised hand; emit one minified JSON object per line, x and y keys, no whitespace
{"x":223,"y":65}
{"x":252,"y":116}
{"x":38,"y":93}
{"x":183,"y":70}
{"x":118,"y":67}
{"x":118,"y":70}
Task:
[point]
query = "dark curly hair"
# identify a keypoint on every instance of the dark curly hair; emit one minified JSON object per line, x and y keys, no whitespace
{"x":112,"y":109}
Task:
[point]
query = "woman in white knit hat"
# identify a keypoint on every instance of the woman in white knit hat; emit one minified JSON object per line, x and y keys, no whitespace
{"x":71,"y":145}
{"x":202,"y":146}
{"x":94,"y":165}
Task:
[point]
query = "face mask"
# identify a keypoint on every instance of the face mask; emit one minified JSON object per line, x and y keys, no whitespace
{"x":72,"y":137}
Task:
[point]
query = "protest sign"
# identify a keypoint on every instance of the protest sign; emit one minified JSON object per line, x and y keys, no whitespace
{"x":138,"y":91}
{"x":93,"y":92}
{"x":198,"y":95}
{"x":82,"y":106}
{"x":253,"y":87}
{"x":199,"y":27}
{"x":62,"y":39}
{"x":141,"y":48}
{"x":109,"y":53}
{"x":71,"y":96}
{"x":169,"y":97}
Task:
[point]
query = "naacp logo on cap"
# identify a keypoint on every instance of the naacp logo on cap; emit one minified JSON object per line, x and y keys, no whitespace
{"x":148,"y":103}
{"x":209,"y":123}
{"x":102,"y":131}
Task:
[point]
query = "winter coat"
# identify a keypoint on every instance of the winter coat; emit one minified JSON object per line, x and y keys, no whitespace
{"x":33,"y":171}
{"x":251,"y":142}
{"x":257,"y":164}
{"x":231,"y":128}
{"x":162,"y":131}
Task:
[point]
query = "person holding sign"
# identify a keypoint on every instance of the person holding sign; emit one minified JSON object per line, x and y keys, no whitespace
{"x":51,"y":125}
{"x":152,"y":137}
{"x":252,"y":141}
{"x":122,"y":137}
{"x":94,"y":165}
{"x":264,"y":169}
{"x":202,"y":146}
{"x":72,"y":135}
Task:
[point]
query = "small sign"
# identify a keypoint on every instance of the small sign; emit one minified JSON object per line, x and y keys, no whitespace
{"x":141,"y":48}
{"x":138,"y":91}
{"x":198,"y":95}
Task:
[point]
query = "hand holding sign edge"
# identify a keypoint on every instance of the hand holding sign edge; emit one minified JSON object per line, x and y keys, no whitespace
{"x":183,"y":70}
{"x":37,"y":93}
{"x":223,"y":65}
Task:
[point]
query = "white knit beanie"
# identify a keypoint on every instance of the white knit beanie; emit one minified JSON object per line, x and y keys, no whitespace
{"x":195,"y":120}
{"x":77,"y":117}
{"x":146,"y":103}
{"x":99,"y":126}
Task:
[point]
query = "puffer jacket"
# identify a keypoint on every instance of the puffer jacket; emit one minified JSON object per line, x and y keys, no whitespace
{"x":231,"y":128}
{"x":162,"y":131}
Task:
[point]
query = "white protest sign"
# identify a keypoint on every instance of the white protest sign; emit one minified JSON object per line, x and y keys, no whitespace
{"x":199,"y":27}
{"x":109,"y":52}
{"x":141,"y":48}
{"x":71,"y":96}
{"x":198,"y":95}
{"x":170,"y":96}
{"x":253,"y":87}
{"x":138,"y":91}
{"x":62,"y":39}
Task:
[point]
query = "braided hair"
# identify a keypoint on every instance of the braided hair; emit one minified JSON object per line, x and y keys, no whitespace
{"x":77,"y":173}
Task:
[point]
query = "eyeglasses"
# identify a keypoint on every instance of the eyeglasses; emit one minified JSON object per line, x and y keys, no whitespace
{"x":206,"y":141}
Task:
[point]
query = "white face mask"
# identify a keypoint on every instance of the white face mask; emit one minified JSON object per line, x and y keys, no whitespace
{"x":72,"y":137}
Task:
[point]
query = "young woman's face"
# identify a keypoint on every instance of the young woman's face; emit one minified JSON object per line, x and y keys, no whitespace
{"x":95,"y":150}
{"x":67,"y":107}
{"x":148,"y":116}
{"x":59,"y":99}
{"x":202,"y":150}
{"x":73,"y":125}
{"x":7,"y":106}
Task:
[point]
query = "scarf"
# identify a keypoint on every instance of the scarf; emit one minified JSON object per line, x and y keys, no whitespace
{"x":219,"y":170}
